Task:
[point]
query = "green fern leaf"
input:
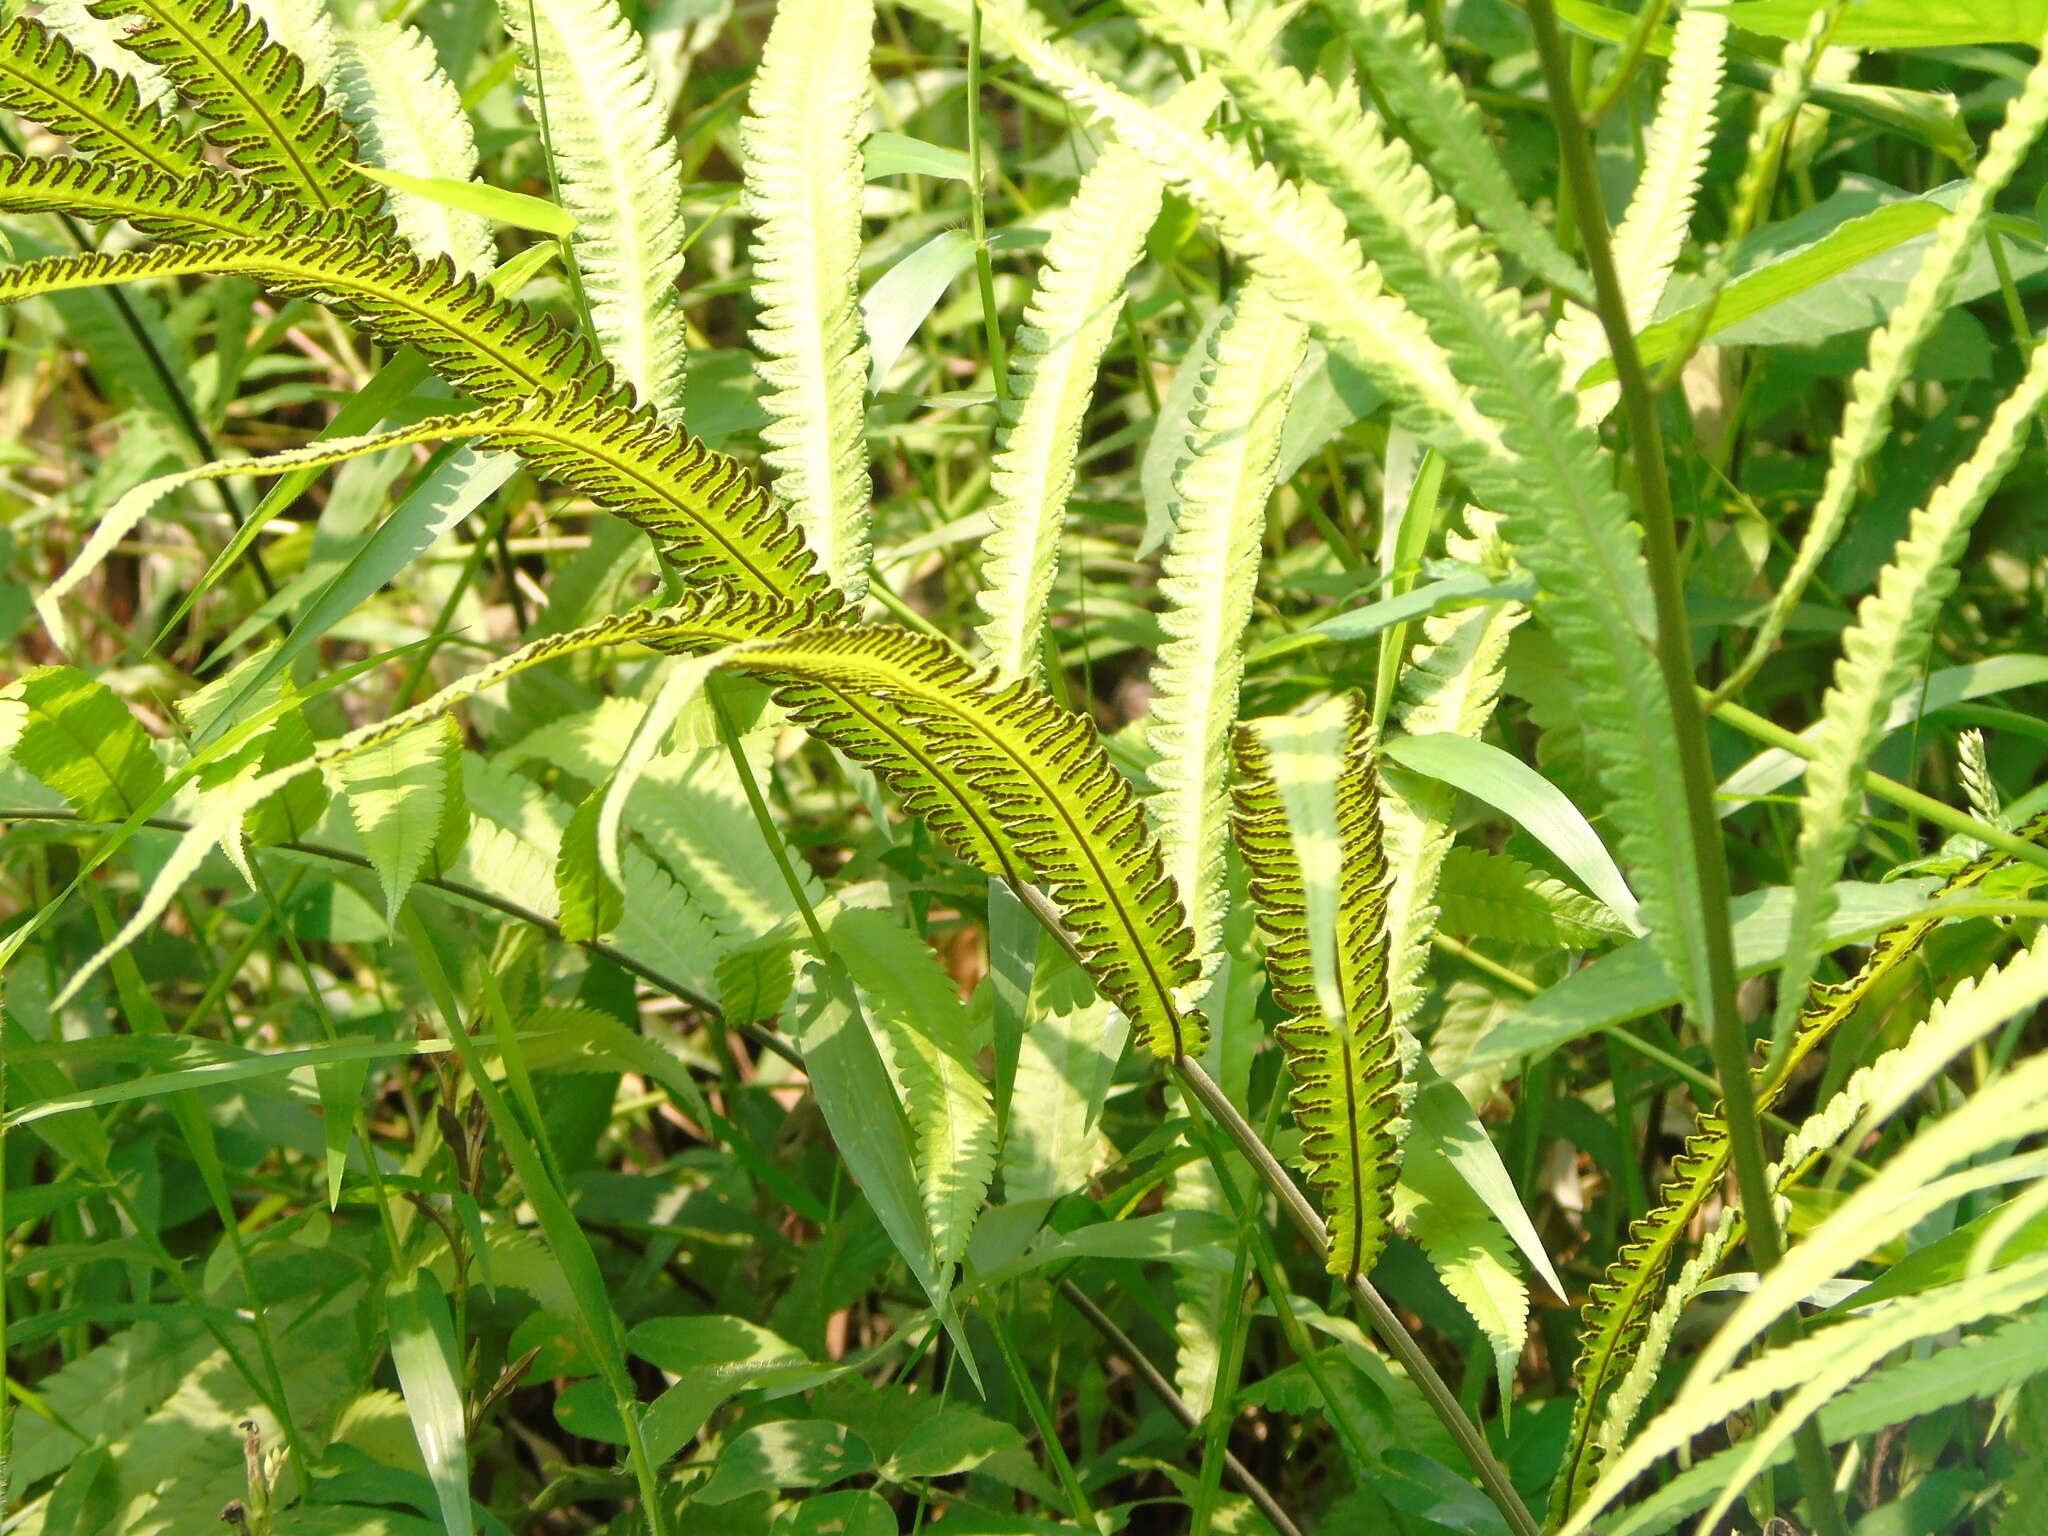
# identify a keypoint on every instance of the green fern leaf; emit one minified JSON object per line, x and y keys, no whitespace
{"x":1308,"y":825}
{"x":79,"y":740}
{"x":1879,"y":654}
{"x":396,"y":791}
{"x":1489,"y":895}
{"x":1653,"y":231}
{"x":1017,"y":786}
{"x":203,"y":203}
{"x":1469,"y":1249}
{"x":1810,"y":1373}
{"x":1866,"y":420}
{"x":1410,"y":72}
{"x":698,"y":505}
{"x":755,"y":982}
{"x":408,"y":117}
{"x":1072,"y":1041}
{"x":1220,"y":494}
{"x":271,"y":120}
{"x":1451,"y":685}
{"x":1509,"y":427}
{"x":804,"y":183}
{"x":1909,"y":1187}
{"x":46,"y":79}
{"x":100,"y":41}
{"x":923,"y":1028}
{"x":589,"y":904}
{"x":618,"y":173}
{"x":1069,"y":323}
{"x":1619,"y":1305}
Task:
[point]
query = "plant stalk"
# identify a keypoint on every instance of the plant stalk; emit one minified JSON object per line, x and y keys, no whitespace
{"x":1156,"y":1383}
{"x":1722,"y":1022}
{"x":1393,"y":1333}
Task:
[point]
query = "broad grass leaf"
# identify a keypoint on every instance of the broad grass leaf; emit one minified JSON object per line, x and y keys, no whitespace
{"x":423,"y":1350}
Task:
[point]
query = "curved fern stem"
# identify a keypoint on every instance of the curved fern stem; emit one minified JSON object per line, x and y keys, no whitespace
{"x":1392,"y":1332}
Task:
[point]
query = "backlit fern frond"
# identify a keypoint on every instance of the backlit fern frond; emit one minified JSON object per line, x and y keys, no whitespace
{"x":700,"y":506}
{"x":1392,"y":40}
{"x":273,"y":122}
{"x":1653,"y":231}
{"x":804,"y":181}
{"x":1534,"y":463}
{"x":1619,"y":1306}
{"x":1069,"y":322}
{"x":1866,"y":418}
{"x":1308,"y":825}
{"x":46,"y":79}
{"x":1880,"y":652}
{"x":1016,"y":785}
{"x":100,"y":41}
{"x":1211,"y":568}
{"x":1450,"y":685}
{"x":616,"y":165}
{"x":1943,"y":1162}
{"x":408,"y":116}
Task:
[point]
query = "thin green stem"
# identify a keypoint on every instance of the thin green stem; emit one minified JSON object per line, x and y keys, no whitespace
{"x":1493,"y":1477}
{"x":1156,"y":1383}
{"x":1716,"y":988}
{"x":1926,"y":807}
{"x":977,"y":219}
{"x":1041,"y":1417}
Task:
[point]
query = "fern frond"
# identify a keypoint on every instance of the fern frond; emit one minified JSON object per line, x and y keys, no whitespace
{"x":1494,"y":896}
{"x":1451,"y":685}
{"x":804,"y":183}
{"x":408,"y":117}
{"x":1652,"y":232}
{"x":618,"y":173}
{"x":201,"y":204}
{"x":1479,"y":387}
{"x":1016,"y":785}
{"x":1879,"y":653}
{"x":46,"y":79}
{"x":1812,"y":1371}
{"x":270,"y":119}
{"x":100,"y":41}
{"x":304,"y":29}
{"x":1619,"y":1305}
{"x":1909,"y":1187}
{"x":1220,"y":490}
{"x":1308,"y":825}
{"x":1410,"y":71}
{"x":1069,"y":323}
{"x":477,"y":340}
{"x":1866,"y":419}
{"x":699,"y":505}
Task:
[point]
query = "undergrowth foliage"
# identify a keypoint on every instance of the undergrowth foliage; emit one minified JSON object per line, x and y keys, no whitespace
{"x":571,"y":1062}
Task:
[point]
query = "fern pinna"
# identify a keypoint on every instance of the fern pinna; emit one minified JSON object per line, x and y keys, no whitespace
{"x":1319,"y":880}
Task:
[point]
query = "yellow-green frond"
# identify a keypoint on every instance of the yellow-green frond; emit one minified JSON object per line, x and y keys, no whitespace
{"x":1308,"y":824}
